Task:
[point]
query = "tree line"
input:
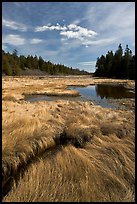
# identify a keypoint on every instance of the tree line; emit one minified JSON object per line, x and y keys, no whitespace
{"x":118,"y":65}
{"x":13,"y":65}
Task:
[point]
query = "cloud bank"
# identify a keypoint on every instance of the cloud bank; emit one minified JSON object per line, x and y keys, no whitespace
{"x":14,"y":25}
{"x":17,"y":40}
{"x":13,"y":40}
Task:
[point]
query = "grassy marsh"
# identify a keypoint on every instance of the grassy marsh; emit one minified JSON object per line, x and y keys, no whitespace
{"x":65,"y":150}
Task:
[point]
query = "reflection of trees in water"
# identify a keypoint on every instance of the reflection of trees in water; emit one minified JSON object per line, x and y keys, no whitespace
{"x":111,"y":91}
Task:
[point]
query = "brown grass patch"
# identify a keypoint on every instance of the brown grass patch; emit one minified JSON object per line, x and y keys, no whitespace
{"x":66,"y":151}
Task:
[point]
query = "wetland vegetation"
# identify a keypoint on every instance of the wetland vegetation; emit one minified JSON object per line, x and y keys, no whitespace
{"x":68,"y":102}
{"x":66,"y":150}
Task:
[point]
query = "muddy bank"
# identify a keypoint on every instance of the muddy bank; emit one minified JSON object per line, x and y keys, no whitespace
{"x":64,"y":150}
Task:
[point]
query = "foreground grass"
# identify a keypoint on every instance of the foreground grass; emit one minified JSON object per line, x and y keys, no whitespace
{"x":64,"y":150}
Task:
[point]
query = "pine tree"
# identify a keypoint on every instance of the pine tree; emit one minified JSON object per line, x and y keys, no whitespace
{"x":117,"y":65}
{"x":6,"y":68}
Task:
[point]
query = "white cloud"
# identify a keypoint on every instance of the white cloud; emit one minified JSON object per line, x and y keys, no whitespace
{"x":18,"y":40}
{"x":112,"y":18}
{"x":13,"y":40}
{"x":120,"y":16}
{"x":104,"y":41}
{"x":81,"y":29}
{"x":50,"y":27}
{"x":71,"y":34}
{"x":73,"y":26}
{"x":78,"y":32}
{"x":14,"y":25}
{"x":69,"y":31}
{"x":35,"y":41}
{"x":88,"y":63}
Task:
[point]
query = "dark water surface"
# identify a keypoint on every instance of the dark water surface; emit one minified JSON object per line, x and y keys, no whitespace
{"x":100,"y":94}
{"x":105,"y":94}
{"x":104,"y":91}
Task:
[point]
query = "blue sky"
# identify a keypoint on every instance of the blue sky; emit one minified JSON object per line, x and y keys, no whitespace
{"x":69,"y":33}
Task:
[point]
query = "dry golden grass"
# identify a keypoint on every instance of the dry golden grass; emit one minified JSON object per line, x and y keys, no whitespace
{"x":64,"y":150}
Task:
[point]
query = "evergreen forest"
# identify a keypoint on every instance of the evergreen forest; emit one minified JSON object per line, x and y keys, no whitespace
{"x":14,"y":65}
{"x":119,"y":65}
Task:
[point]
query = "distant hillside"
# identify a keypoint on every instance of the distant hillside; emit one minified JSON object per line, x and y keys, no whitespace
{"x":13,"y":65}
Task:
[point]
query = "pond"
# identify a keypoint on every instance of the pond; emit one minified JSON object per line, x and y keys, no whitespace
{"x":101,"y":94}
{"x":105,"y":94}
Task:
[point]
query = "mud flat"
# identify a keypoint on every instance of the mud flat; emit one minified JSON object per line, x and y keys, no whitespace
{"x":65,"y":150}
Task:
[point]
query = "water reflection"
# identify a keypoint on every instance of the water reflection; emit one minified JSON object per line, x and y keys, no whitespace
{"x":101,"y":94}
{"x":105,"y":91}
{"x":113,"y":91}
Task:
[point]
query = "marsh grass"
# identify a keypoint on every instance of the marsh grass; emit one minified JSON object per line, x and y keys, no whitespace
{"x":66,"y":151}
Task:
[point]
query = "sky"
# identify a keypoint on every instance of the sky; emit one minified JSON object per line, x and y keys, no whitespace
{"x":71,"y":33}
